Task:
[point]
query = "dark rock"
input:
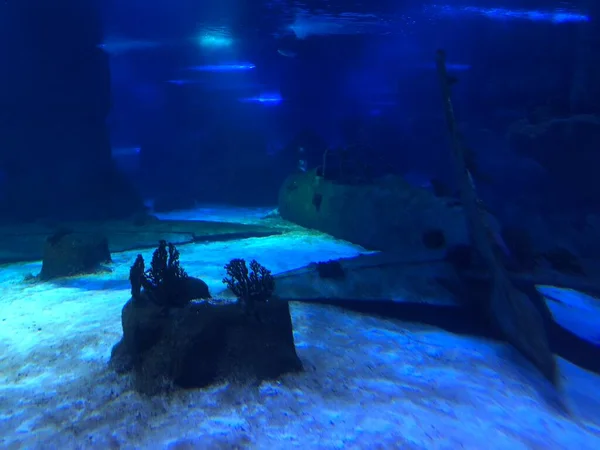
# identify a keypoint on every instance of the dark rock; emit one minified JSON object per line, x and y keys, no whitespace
{"x":332,"y":269}
{"x":170,"y":341}
{"x":193,"y":288}
{"x":202,"y":343}
{"x":67,"y":253}
{"x":54,"y":139}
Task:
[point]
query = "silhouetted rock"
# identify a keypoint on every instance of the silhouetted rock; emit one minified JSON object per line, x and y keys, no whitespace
{"x":331,"y":269}
{"x":67,"y":253}
{"x":202,"y":343}
{"x":54,"y":102}
{"x":168,"y":340}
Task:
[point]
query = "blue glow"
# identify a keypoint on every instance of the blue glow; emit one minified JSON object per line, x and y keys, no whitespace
{"x":455,"y":67}
{"x":125,"y":151}
{"x":308,"y":24}
{"x":116,"y":46}
{"x":554,"y":16}
{"x":264,"y":99}
{"x":215,"y":40}
{"x":557,"y":16}
{"x":183,"y":82}
{"x":458,"y":67}
{"x":223,"y":67}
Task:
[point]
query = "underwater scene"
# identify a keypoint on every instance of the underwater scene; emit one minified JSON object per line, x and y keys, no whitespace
{"x":286,"y":224}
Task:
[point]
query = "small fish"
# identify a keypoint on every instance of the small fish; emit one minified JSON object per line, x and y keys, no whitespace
{"x":266,"y":99}
{"x":287,"y":53}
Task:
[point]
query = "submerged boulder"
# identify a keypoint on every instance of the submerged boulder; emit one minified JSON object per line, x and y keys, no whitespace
{"x":169,"y":340}
{"x":203,"y":343}
{"x":67,"y":253}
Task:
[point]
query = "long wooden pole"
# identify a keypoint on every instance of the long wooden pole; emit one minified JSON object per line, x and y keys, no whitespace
{"x":511,"y":310}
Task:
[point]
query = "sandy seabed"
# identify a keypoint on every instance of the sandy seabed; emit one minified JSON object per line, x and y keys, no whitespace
{"x":369,"y":382}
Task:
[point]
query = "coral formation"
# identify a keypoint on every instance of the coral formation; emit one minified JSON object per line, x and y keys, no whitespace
{"x":166,"y":283}
{"x":136,"y":275}
{"x":250,"y":287}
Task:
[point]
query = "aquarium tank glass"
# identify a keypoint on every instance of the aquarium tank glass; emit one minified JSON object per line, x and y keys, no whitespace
{"x":300,"y":224}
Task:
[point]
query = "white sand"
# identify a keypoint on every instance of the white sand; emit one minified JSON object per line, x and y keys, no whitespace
{"x":369,"y":383}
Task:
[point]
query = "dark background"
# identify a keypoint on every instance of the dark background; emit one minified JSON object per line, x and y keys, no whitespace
{"x":88,"y":130}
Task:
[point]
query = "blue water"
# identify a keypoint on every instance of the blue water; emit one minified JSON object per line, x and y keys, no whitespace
{"x":322,"y":121}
